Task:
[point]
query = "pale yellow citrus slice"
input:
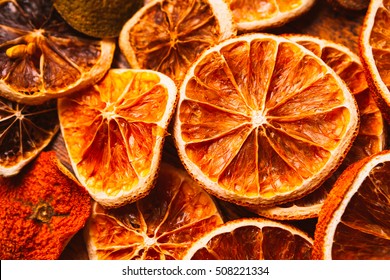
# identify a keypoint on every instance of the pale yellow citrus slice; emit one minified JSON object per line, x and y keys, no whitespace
{"x":371,"y":136}
{"x":41,"y":57}
{"x":114,"y":133}
{"x":250,"y":15}
{"x":354,"y":221}
{"x":252,"y":239}
{"x":261,"y":120}
{"x":375,"y":52}
{"x":168,"y":35}
{"x":160,"y":226}
{"x":24,"y":132}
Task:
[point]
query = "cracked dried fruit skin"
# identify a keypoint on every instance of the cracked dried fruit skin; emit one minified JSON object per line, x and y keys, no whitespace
{"x":160,"y":226}
{"x":40,"y":210}
{"x":41,"y":57}
{"x":114,"y":132}
{"x":358,"y":206}
{"x":252,"y":239}
{"x":374,"y":47}
{"x":255,"y":15}
{"x":167,"y":36}
{"x":262,"y":121}
{"x":371,"y":136}
{"x":24,"y":132}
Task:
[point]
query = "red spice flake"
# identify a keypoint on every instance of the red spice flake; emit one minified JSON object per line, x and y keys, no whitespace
{"x":40,"y":210}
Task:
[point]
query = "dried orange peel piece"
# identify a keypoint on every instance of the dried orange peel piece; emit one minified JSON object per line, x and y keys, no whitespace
{"x":160,"y":226}
{"x":370,"y":139}
{"x":41,"y":57}
{"x":374,"y":47}
{"x":40,"y":210}
{"x":251,"y":15}
{"x":261,"y":120}
{"x":114,"y":133}
{"x":252,"y":239}
{"x":358,"y":206}
{"x":168,"y":35}
{"x":24,"y":132}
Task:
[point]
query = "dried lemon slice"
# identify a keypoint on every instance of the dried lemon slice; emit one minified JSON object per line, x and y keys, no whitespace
{"x":114,"y":132}
{"x":261,"y":120}
{"x":41,"y":57}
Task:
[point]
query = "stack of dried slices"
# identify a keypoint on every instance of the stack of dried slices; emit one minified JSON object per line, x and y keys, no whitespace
{"x":198,"y":129}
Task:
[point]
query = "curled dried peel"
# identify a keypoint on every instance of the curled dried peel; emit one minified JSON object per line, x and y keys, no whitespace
{"x":261,"y":120}
{"x":114,"y":132}
{"x":41,"y":57}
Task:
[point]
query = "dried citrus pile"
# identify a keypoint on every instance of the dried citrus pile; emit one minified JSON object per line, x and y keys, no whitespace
{"x":195,"y":135}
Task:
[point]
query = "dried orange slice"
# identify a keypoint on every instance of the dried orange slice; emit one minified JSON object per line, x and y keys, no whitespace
{"x":40,"y":210}
{"x":261,"y":120}
{"x":374,"y":47}
{"x":168,"y":35}
{"x":371,"y":136}
{"x":160,"y":226}
{"x":252,"y":239}
{"x":24,"y":132}
{"x":41,"y":57}
{"x":114,"y":133}
{"x":252,"y":15}
{"x":349,"y":5}
{"x":354,"y":221}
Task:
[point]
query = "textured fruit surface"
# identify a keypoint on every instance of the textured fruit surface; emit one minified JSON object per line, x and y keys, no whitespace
{"x":261,"y":120}
{"x":357,"y":206}
{"x":252,"y":239}
{"x":160,"y":226}
{"x":114,"y":133}
{"x":41,"y":57}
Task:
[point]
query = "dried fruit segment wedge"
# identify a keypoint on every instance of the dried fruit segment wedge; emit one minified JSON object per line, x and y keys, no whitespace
{"x":354,"y":221}
{"x":374,"y":47}
{"x":261,"y":120}
{"x":41,"y":57}
{"x":252,"y":239}
{"x":114,"y":132}
{"x":371,"y":136}
{"x":168,"y":35}
{"x":40,"y":210}
{"x":24,"y":132}
{"x":250,"y":15}
{"x":160,"y":226}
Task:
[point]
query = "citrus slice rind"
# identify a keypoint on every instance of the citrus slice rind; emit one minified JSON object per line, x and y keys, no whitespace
{"x":358,"y":206}
{"x":161,"y":225}
{"x":369,"y":140}
{"x":375,"y":52}
{"x":251,"y":15}
{"x":114,"y":132}
{"x":167,"y":36}
{"x":242,"y":134}
{"x":42,"y":57}
{"x":251,"y":238}
{"x":24,"y":132}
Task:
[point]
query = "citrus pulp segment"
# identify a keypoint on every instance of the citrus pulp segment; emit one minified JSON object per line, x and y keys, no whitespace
{"x":24,"y":132}
{"x":168,"y":36}
{"x":358,"y":206}
{"x":162,"y":225}
{"x":261,"y":120}
{"x":250,"y":15}
{"x":252,"y":239}
{"x":369,"y":140}
{"x":114,"y":133}
{"x":374,"y":47}
{"x":41,"y":57}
